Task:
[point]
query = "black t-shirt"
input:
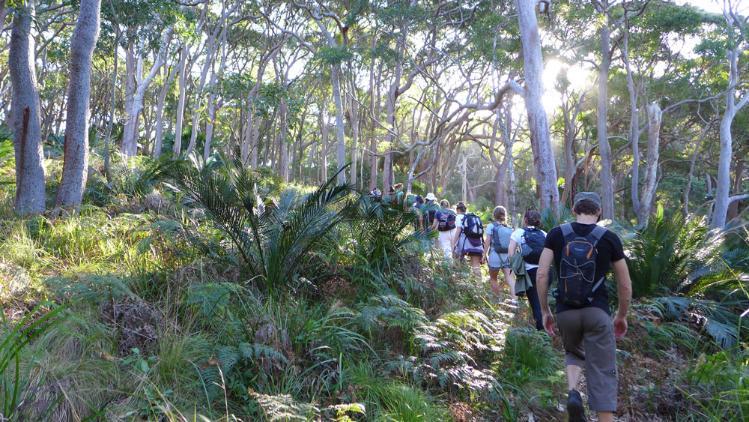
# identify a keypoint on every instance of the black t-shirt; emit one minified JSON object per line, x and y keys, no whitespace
{"x":609,"y":250}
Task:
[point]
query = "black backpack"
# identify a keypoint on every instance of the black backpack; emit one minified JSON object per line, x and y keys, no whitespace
{"x":446,"y":220}
{"x":577,"y":268}
{"x":533,"y":245}
{"x":472,"y":226}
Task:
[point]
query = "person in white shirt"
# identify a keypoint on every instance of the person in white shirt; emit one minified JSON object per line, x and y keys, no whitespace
{"x":529,"y":241}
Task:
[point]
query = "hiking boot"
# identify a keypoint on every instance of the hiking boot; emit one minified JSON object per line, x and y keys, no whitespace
{"x":575,"y":408}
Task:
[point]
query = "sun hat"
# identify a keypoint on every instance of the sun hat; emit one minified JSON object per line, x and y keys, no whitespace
{"x":431,"y":197}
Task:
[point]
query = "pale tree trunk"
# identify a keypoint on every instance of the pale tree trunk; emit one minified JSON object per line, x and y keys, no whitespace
{"x":283,"y":162}
{"x":374,"y":113}
{"x":634,"y":127}
{"x":722,"y":191}
{"x":183,"y":71}
{"x":75,"y":165}
{"x":464,"y":181}
{"x":129,"y":96}
{"x":30,"y":194}
{"x":159,"y":136}
{"x":130,"y":134}
{"x":607,"y":180}
{"x":216,"y":76}
{"x":207,"y":65}
{"x":335,"y":76}
{"x":354,"y":119}
{"x":324,"y":149}
{"x":113,"y":106}
{"x":723,"y":186}
{"x":651,"y":176}
{"x":570,"y":111}
{"x":533,"y":66}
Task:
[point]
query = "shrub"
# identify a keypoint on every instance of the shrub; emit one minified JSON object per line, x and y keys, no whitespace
{"x":664,"y":254}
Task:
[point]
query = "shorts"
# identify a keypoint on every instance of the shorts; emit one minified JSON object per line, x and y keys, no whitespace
{"x":588,"y":338}
{"x":497,"y":261}
{"x":445,"y":240}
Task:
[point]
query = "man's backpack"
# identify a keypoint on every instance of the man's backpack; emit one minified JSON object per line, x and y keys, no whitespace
{"x":532,"y":245}
{"x":472,"y":226}
{"x":577,"y":268}
{"x":501,"y":238}
{"x":446,"y":220}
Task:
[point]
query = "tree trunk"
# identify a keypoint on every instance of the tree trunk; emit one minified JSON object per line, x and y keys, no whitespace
{"x":533,"y":67}
{"x":159,"y":137}
{"x":177,"y":147}
{"x":651,"y":176}
{"x":75,"y":166}
{"x":129,"y":145}
{"x":283,"y":167}
{"x":720,"y":210}
{"x":113,"y":106}
{"x":197,"y":101}
{"x":210,"y":124}
{"x":335,"y":72}
{"x":30,"y":194}
{"x":607,"y":180}
{"x":634,"y":128}
{"x":722,"y":191}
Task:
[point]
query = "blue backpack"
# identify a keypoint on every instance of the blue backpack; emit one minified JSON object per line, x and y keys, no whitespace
{"x":472,"y":226}
{"x":533,"y":245}
{"x":446,"y":220}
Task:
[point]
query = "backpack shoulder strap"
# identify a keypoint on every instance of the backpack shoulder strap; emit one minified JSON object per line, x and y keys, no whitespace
{"x":597,"y":234}
{"x":567,"y":230}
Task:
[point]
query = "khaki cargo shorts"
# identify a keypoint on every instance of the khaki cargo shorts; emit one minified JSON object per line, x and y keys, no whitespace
{"x":588,"y":338}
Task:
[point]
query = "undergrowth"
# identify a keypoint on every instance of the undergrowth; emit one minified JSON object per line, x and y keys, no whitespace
{"x":196,"y":302}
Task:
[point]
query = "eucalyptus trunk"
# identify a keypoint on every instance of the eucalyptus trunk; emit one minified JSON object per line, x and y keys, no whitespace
{"x":533,"y":66}
{"x":75,"y":165}
{"x":604,"y":148}
{"x":183,"y":70}
{"x":27,"y":142}
{"x":651,"y":175}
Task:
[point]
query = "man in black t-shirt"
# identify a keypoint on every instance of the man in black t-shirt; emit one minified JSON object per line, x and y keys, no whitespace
{"x":583,"y":253}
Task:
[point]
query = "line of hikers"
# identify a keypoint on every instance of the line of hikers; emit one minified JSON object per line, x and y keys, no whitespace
{"x":580,"y":255}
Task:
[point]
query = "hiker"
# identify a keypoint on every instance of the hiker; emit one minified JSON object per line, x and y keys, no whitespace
{"x":529,"y":242}
{"x":468,"y":240}
{"x":428,"y":212}
{"x":460,"y":209}
{"x":582,"y":253}
{"x":444,"y":223}
{"x":416,"y":209}
{"x":496,"y":245}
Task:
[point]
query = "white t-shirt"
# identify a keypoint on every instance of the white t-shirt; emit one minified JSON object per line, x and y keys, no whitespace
{"x":459,"y":220}
{"x":517,"y":236}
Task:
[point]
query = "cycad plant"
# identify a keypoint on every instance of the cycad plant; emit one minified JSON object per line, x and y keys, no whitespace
{"x":383,"y":233}
{"x":670,"y":251}
{"x":273,"y":238}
